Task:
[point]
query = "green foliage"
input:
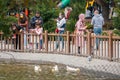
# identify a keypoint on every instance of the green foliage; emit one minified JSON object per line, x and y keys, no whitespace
{"x":6,"y":23}
{"x":105,"y":33}
{"x":70,"y":25}
{"x":89,"y":26}
{"x":116,"y":32}
{"x":49,"y":13}
{"x":77,"y":8}
{"x":116,"y":20}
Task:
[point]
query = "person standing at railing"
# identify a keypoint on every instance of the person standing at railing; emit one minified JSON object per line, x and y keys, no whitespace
{"x":23,"y":22}
{"x":80,"y":28}
{"x":36,"y":19}
{"x":97,"y":22}
{"x":15,"y":36}
{"x":39,"y":37}
{"x":61,"y":23}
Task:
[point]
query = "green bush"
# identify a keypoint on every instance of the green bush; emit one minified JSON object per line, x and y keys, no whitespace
{"x":116,"y":32}
{"x":5,"y":24}
{"x":116,"y":20}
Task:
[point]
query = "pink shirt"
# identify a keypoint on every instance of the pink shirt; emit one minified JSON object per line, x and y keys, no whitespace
{"x":80,"y":26}
{"x":39,"y":31}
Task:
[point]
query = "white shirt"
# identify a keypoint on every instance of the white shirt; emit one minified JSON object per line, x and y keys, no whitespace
{"x":61,"y":23}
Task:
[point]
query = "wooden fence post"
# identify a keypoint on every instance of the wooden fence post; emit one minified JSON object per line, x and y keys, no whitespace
{"x":46,"y":40}
{"x":21,"y":45}
{"x":68,"y":42}
{"x":110,"y":46}
{"x":89,"y":43}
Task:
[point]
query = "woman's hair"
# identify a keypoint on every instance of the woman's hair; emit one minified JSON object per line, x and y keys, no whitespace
{"x":24,"y":17}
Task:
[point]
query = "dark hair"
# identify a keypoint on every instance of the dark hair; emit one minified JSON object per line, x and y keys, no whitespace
{"x":22,"y":19}
{"x":13,"y":24}
{"x":37,"y":12}
{"x":37,"y":24}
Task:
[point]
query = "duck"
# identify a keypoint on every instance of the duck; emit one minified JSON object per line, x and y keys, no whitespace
{"x":68,"y":68}
{"x":37,"y":68}
{"x":55,"y":68}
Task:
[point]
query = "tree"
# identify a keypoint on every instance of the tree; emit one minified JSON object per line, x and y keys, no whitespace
{"x":105,"y":8}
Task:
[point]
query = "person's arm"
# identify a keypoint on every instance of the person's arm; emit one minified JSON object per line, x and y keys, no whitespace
{"x":41,"y":21}
{"x":32,"y":21}
{"x":61,"y":23}
{"x":24,"y":24}
{"x":39,"y":32}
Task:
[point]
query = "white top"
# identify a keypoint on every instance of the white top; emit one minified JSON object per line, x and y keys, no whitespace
{"x":61,"y":23}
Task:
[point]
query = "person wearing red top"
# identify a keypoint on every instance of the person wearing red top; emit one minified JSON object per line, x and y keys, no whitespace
{"x":67,"y":12}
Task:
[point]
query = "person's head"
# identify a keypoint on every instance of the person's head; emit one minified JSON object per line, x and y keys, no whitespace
{"x":82,"y":16}
{"x":61,"y":15}
{"x":37,"y":14}
{"x":37,"y":25}
{"x":22,"y":15}
{"x":14,"y":26}
{"x":68,"y":8}
{"x":96,"y":12}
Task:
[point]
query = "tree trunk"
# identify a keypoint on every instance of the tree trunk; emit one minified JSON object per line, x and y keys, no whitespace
{"x":105,"y":9}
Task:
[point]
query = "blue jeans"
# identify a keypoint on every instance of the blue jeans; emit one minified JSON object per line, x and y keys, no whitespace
{"x":41,"y":43}
{"x":97,"y":31}
{"x":25,"y":37}
{"x":60,"y":38}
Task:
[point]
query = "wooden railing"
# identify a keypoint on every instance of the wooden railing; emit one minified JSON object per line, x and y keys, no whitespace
{"x":109,"y":46}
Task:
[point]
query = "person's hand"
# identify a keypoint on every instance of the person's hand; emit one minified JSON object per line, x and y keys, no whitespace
{"x":86,"y":27}
{"x":20,"y":24}
{"x":21,"y":30}
{"x":31,"y":30}
{"x":37,"y":21}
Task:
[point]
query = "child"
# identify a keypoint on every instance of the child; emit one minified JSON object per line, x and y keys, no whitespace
{"x":39,"y":30}
{"x":17,"y":38}
{"x":80,"y":28}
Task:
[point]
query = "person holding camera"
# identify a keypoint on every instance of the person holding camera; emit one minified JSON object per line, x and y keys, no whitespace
{"x":36,"y":19}
{"x":23,"y":22}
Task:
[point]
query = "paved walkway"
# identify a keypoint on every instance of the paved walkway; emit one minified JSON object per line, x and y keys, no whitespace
{"x":82,"y":62}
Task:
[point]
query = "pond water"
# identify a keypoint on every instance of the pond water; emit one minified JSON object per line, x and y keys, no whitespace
{"x":41,"y":72}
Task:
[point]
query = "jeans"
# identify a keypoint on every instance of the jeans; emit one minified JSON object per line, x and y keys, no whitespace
{"x":41,"y":43}
{"x":25,"y":37}
{"x":60,"y":38}
{"x":97,"y":31}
